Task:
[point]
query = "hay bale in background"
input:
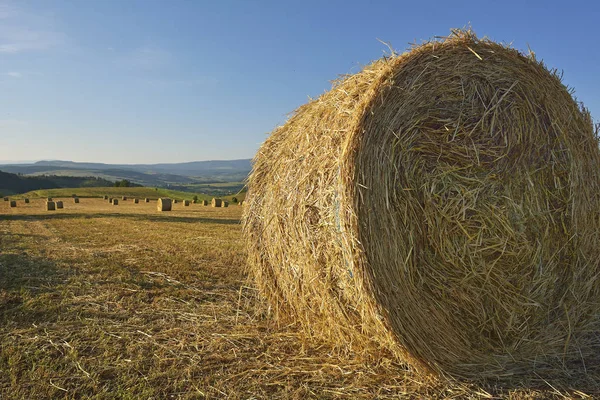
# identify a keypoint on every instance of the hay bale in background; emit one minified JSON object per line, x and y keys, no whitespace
{"x":6,"y":199}
{"x":49,"y":199}
{"x":73,"y":195}
{"x":110,"y":199}
{"x":13,"y":203}
{"x":216,"y":202}
{"x":163,"y":204}
{"x":204,"y":202}
{"x":124,"y":198}
{"x":76,"y":200}
{"x":186,"y":203}
{"x":105,"y":197}
{"x":242,"y":203}
{"x":50,"y":206}
{"x":224,"y":203}
{"x":136,"y":201}
{"x":59,"y":204}
{"x":26,"y":201}
{"x":115,"y":202}
{"x":147,"y":200}
{"x":441,"y":208}
{"x":175,"y":201}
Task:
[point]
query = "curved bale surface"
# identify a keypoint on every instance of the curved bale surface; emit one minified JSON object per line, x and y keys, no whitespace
{"x":442,"y":203}
{"x":163,"y":204}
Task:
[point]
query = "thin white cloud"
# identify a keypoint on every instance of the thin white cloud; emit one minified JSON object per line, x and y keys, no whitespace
{"x":15,"y":74}
{"x":24,"y":31}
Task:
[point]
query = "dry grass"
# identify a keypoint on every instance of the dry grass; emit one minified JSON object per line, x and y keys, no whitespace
{"x":126,"y":302}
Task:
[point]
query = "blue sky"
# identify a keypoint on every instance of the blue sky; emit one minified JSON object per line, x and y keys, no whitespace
{"x":171,"y":81}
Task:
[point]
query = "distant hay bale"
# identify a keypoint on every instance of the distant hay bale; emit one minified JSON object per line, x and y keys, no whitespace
{"x":59,"y":204}
{"x":50,"y":205}
{"x":204,"y":202}
{"x":76,"y":200}
{"x":73,"y":195}
{"x":136,"y":201}
{"x":186,"y":203}
{"x":6,"y":199}
{"x":224,"y":203}
{"x":13,"y":203}
{"x":241,"y":203}
{"x":147,"y":200}
{"x":442,"y":204}
{"x":105,"y":197}
{"x":216,"y":202}
{"x":49,"y":199}
{"x":175,"y":201}
{"x":124,"y":198}
{"x":163,"y":204}
{"x":26,"y":201}
{"x":115,"y":202}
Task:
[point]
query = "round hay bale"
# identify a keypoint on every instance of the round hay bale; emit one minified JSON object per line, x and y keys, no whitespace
{"x":186,"y":203}
{"x":110,"y":199}
{"x":124,"y":198}
{"x":115,"y":202}
{"x":13,"y":203}
{"x":49,"y":199}
{"x":136,"y":201}
{"x":26,"y":201}
{"x":50,"y":206}
{"x":147,"y":200}
{"x":76,"y":200}
{"x":105,"y":197}
{"x":6,"y":199}
{"x":59,"y":204}
{"x":204,"y":202}
{"x":216,"y":202}
{"x":175,"y":201}
{"x":224,"y":203}
{"x":442,"y":203}
{"x":163,"y":204}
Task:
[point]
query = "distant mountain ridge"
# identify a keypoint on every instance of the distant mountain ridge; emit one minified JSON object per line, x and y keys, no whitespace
{"x":161,"y":175}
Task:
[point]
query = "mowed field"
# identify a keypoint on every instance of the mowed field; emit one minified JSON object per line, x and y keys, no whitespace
{"x":101,"y":301}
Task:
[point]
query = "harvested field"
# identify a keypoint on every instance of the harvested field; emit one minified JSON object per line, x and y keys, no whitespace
{"x":123,"y":302}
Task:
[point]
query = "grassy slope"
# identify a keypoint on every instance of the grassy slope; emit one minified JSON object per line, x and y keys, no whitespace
{"x":140,"y":192}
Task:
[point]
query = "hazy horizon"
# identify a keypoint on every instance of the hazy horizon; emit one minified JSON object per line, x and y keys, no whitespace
{"x":146,"y":82}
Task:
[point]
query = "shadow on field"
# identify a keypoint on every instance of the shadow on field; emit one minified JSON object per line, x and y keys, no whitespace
{"x":21,"y":277}
{"x":137,"y":217}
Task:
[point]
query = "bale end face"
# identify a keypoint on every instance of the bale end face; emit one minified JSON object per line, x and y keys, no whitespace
{"x":50,"y":206}
{"x":163,"y":204}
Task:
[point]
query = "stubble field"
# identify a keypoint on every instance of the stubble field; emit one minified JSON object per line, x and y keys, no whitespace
{"x":101,"y":301}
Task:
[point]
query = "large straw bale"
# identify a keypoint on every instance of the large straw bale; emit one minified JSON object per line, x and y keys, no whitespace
{"x":59,"y":204}
{"x":50,"y":206}
{"x":164,"y":204}
{"x":216,"y":202}
{"x":443,"y":204}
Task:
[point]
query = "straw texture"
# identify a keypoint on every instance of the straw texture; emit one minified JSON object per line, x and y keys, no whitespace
{"x":444,"y":204}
